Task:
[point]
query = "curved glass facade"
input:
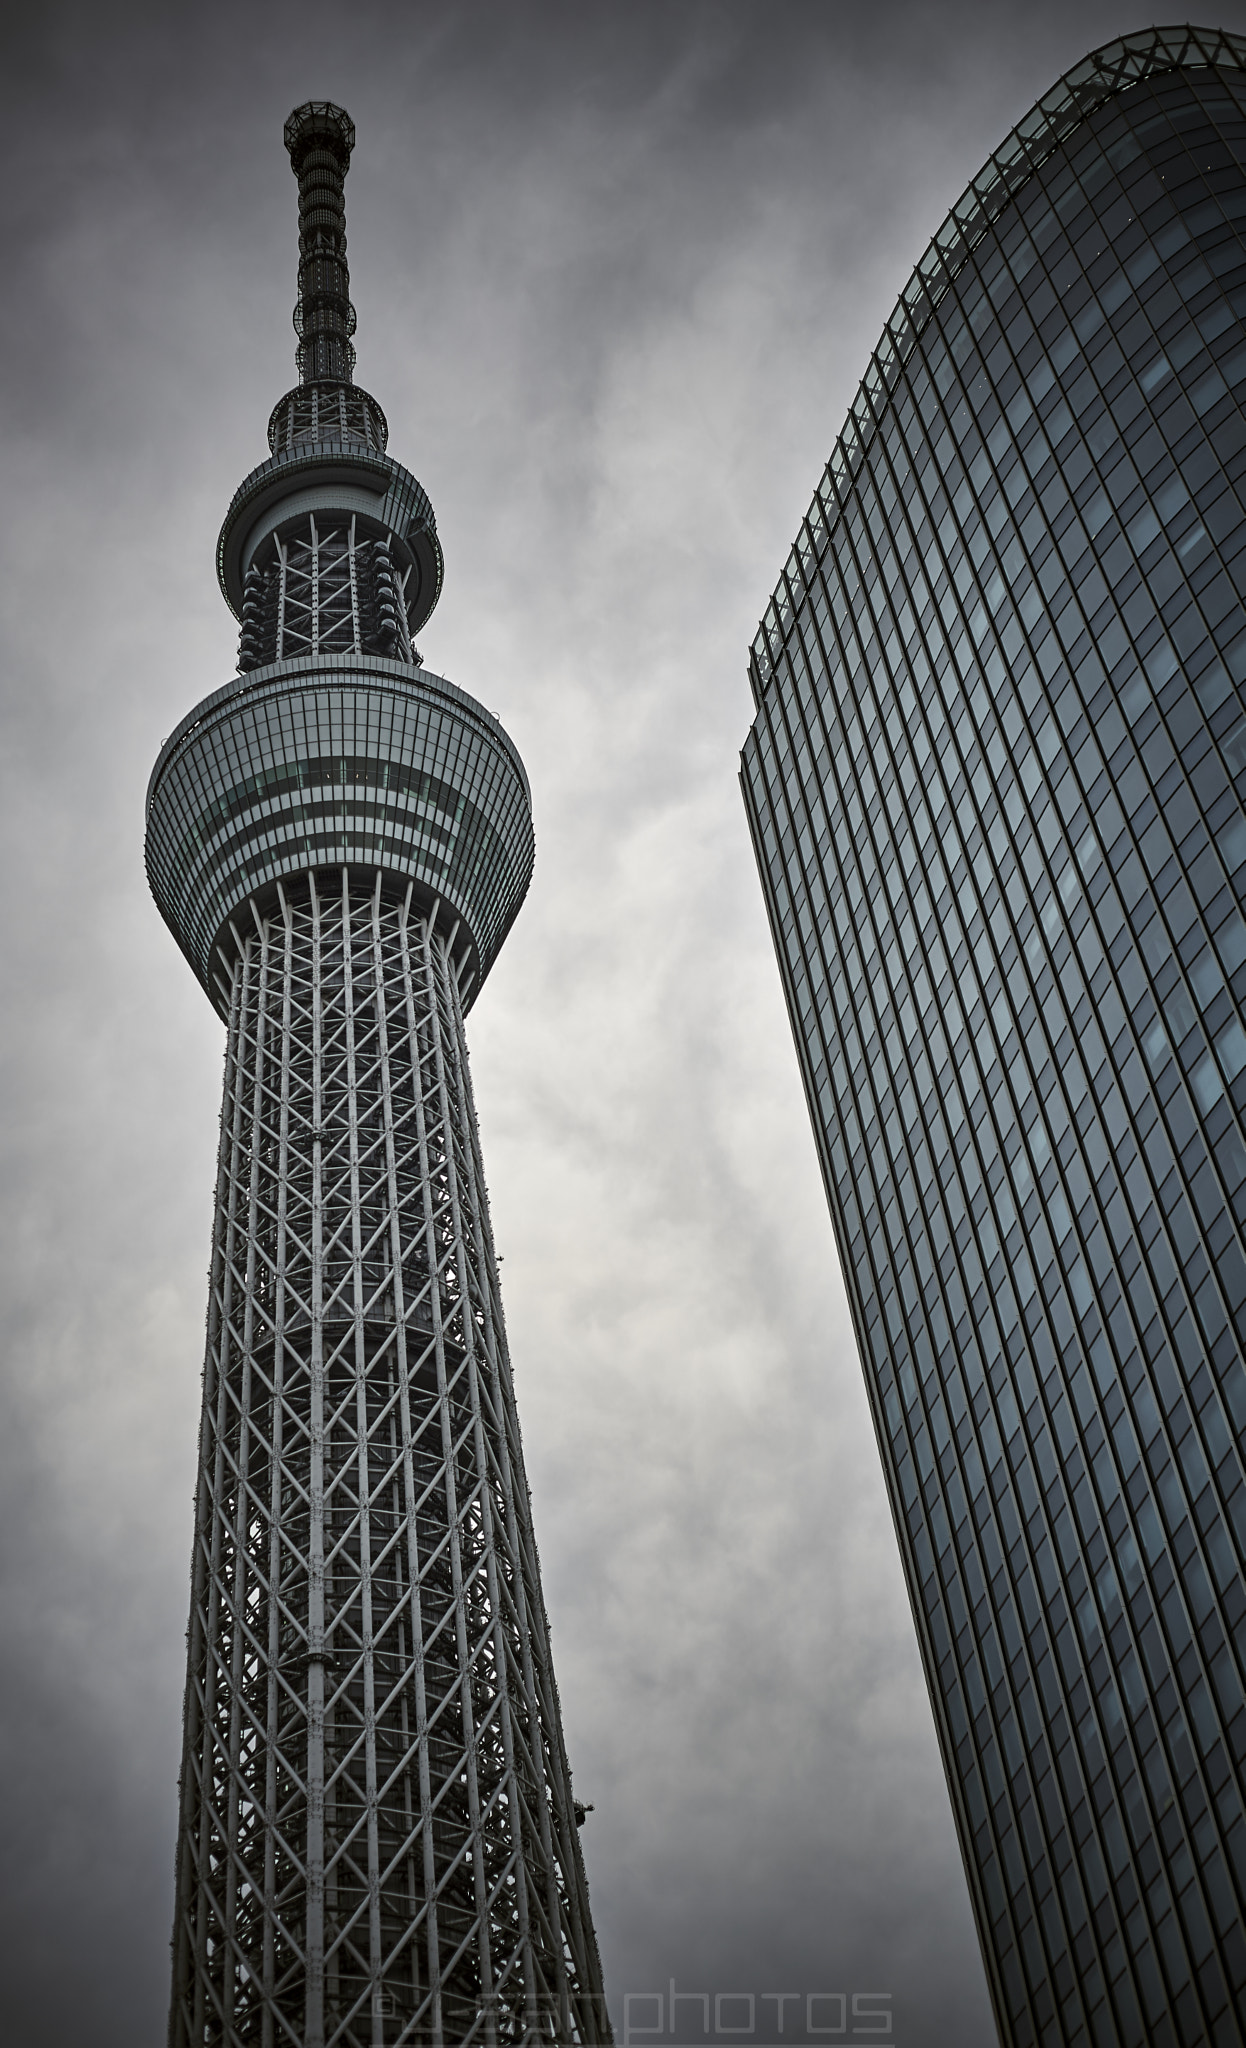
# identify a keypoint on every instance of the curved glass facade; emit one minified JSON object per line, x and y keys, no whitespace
{"x":355,"y":762}
{"x":996,"y":785}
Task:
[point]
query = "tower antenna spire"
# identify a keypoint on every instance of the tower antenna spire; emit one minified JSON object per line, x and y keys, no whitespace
{"x":320,"y":138}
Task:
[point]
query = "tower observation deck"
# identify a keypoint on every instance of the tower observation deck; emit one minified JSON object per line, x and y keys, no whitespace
{"x":378,"y":1837}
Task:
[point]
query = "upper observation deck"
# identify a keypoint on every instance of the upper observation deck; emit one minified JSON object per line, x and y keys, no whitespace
{"x":334,"y":747}
{"x":338,"y":761}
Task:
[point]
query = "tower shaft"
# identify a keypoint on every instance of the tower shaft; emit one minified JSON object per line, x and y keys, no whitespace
{"x":378,"y":1839}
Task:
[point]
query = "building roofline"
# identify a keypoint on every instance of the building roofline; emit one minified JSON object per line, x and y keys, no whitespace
{"x":1072,"y":99}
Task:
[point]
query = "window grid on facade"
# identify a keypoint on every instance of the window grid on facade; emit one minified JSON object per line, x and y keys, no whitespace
{"x":996,"y":787}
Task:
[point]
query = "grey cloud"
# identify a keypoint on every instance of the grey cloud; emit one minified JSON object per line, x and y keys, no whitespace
{"x":618,"y":269}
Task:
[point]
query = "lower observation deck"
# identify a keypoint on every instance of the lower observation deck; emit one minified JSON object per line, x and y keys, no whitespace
{"x":348,"y":761}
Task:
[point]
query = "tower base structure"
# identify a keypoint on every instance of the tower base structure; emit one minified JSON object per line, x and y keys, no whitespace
{"x":378,"y":1839}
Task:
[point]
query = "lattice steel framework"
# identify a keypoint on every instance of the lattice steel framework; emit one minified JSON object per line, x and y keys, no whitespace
{"x":377,"y":1819}
{"x":317,"y":589}
{"x":378,"y":1836}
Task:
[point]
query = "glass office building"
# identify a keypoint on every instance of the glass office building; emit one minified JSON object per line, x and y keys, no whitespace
{"x":995,"y":784}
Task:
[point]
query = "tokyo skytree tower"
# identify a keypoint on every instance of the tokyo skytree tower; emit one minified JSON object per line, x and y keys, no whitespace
{"x":378,"y":1837}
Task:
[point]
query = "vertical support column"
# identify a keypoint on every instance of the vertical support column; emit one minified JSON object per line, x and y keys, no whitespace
{"x":420,"y":1979}
{"x":406,"y":651}
{"x":314,"y":2020}
{"x":363,"y":1430}
{"x":281,"y":1307}
{"x":283,"y":564}
{"x":426,"y":1229}
{"x":356,"y":640}
{"x":186,"y":2015}
{"x":315,"y":590}
{"x":433,"y":959}
{"x":530,"y":1610}
{"x":237,"y":1585}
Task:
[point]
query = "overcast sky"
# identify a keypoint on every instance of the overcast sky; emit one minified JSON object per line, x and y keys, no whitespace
{"x":618,"y":270}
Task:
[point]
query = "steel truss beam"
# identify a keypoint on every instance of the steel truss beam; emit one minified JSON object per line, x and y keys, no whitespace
{"x":323,"y":588}
{"x":378,"y":1837}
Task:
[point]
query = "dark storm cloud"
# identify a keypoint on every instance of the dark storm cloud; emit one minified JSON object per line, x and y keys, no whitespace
{"x":618,"y":269}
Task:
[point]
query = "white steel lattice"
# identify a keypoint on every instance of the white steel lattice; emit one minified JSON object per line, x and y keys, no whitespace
{"x":325,"y":588}
{"x":378,"y":1837}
